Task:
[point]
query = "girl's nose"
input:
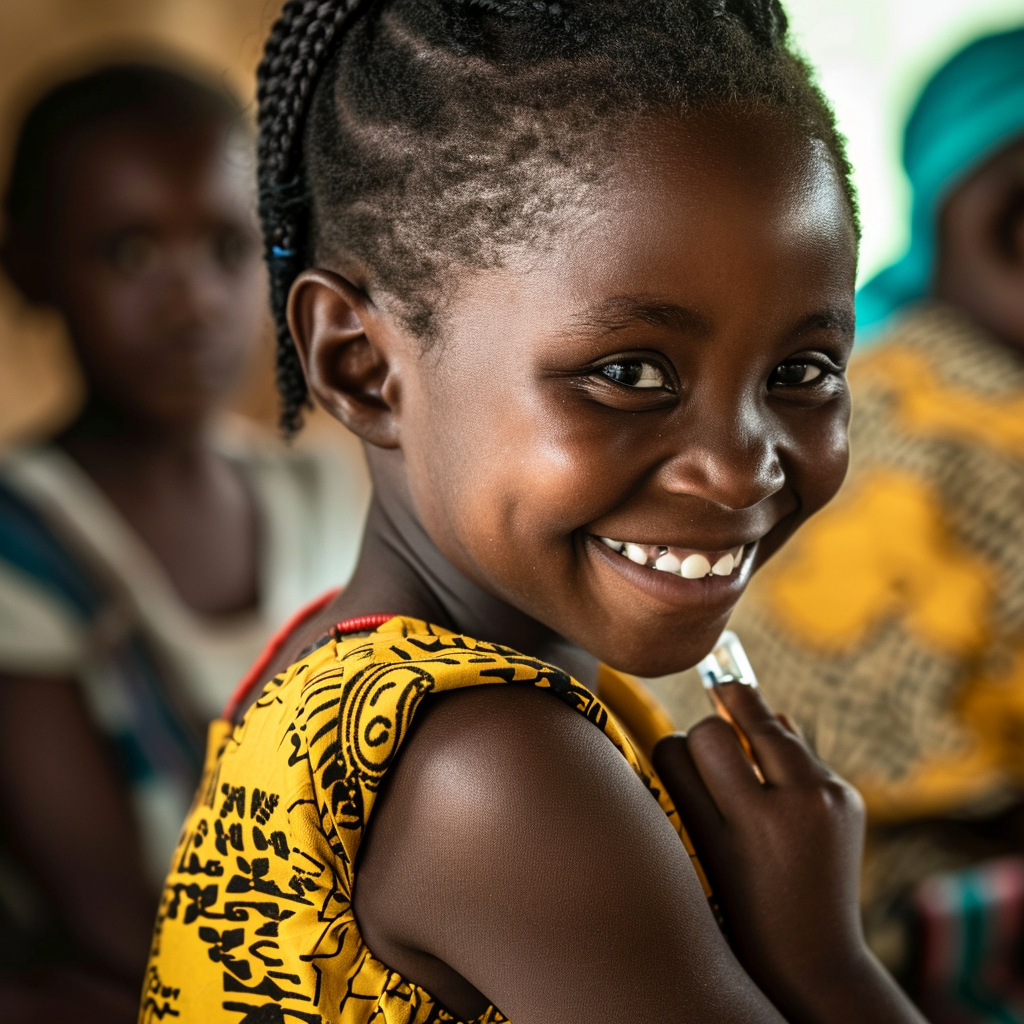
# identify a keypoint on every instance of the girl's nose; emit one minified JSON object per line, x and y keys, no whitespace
{"x":730,"y":458}
{"x":193,"y":288}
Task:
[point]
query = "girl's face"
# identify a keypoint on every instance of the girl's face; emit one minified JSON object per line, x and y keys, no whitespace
{"x":670,"y":380}
{"x":156,"y":267}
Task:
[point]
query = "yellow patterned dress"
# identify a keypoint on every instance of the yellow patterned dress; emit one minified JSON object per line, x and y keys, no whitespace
{"x":256,"y":923}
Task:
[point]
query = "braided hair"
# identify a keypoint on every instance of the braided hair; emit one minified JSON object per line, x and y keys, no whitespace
{"x":411,"y":138}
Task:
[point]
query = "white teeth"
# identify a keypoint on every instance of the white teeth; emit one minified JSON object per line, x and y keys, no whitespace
{"x":668,"y":563}
{"x":635,"y":553}
{"x":724,"y":566}
{"x":694,"y":567}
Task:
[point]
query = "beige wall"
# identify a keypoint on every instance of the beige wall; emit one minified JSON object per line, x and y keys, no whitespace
{"x":38,"y":382}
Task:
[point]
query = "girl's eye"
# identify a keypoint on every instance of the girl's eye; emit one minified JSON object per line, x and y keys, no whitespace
{"x":789,"y":374}
{"x":133,"y":254}
{"x":634,"y":373}
{"x":231,"y":250}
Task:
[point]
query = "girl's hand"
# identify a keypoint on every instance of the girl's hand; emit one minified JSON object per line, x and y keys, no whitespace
{"x":783,"y":858}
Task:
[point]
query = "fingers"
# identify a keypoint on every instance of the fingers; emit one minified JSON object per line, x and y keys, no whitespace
{"x":780,"y":751}
{"x":789,"y":724}
{"x":680,"y":777}
{"x":723,"y":764}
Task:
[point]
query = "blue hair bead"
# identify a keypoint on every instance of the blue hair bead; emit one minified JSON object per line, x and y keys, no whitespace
{"x":281,"y":254}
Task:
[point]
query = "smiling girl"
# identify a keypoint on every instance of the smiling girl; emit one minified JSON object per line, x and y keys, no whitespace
{"x":580,"y":275}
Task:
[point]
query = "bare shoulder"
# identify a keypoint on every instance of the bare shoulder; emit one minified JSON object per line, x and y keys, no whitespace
{"x":515,"y":741}
{"x":514,"y":841}
{"x":515,"y":765}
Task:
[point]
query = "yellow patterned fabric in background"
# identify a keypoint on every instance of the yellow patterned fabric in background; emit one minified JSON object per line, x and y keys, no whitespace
{"x":892,"y":626}
{"x":256,"y":923}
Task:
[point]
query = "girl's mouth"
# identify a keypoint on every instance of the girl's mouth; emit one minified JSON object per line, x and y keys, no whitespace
{"x":682,"y":562}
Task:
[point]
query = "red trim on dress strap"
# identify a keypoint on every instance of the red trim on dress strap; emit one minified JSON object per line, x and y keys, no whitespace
{"x":359,"y":625}
{"x":255,"y":675}
{"x":273,"y":649}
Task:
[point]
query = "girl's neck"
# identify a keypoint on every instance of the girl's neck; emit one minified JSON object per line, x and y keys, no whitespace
{"x":109,"y":441}
{"x":187,"y":503}
{"x":401,"y":570}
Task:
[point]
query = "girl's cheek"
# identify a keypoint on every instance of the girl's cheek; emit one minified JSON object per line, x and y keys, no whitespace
{"x":823,"y":469}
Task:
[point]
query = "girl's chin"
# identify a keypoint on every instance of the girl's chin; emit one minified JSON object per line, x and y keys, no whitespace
{"x":657,"y":623}
{"x":663,"y":657}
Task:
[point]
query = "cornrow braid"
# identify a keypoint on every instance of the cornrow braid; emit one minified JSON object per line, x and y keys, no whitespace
{"x":419,"y":138}
{"x":292,"y":61}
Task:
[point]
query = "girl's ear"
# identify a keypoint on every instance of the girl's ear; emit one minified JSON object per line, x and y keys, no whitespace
{"x":342,"y":342}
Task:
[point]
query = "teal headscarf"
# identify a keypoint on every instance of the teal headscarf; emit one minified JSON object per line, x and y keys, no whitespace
{"x":971,"y":109}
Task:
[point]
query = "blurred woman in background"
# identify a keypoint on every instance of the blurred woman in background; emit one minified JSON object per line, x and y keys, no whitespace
{"x":892,"y":629}
{"x":145,"y":555}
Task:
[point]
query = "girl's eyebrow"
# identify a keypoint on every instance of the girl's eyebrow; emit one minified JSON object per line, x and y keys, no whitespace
{"x":836,"y":318}
{"x":623,"y":311}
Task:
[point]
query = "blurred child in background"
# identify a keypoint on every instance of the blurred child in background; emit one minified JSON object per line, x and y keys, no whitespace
{"x":892,"y":629}
{"x":145,"y":555}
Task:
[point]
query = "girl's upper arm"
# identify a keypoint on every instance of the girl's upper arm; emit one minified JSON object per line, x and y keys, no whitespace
{"x":517,"y":846}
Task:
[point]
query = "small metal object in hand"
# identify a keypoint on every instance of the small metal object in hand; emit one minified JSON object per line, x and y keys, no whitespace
{"x":728,"y":663}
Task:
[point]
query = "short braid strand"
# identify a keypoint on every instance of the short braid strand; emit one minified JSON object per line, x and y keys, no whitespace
{"x":292,"y":62}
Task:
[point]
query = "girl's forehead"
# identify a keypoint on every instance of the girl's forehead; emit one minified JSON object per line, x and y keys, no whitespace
{"x":735,"y":154}
{"x":692,"y":229}
{"x":741,"y":198}
{"x":705,"y":182}
{"x":130,"y":169}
